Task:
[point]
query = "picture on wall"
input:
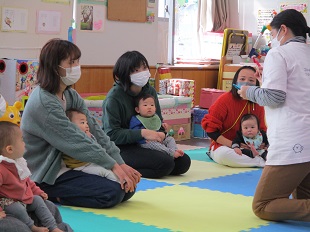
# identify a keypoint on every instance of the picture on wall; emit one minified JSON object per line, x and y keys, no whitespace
{"x":92,"y":18}
{"x":48,"y":22}
{"x":14,"y":19}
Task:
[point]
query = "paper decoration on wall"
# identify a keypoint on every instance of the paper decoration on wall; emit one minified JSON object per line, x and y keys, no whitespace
{"x":67,"y":2}
{"x":92,"y":18}
{"x":301,"y":7}
{"x":48,"y":22}
{"x":14,"y":19}
{"x":150,"y":17}
{"x":264,"y":17}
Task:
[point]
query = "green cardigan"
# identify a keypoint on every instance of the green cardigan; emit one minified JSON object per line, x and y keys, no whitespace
{"x":48,"y":133}
{"x":118,"y":108}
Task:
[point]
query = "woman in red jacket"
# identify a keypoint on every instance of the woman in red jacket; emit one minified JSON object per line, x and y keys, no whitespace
{"x":223,"y":121}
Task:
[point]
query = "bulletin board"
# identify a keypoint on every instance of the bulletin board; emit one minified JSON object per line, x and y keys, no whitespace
{"x":128,"y":10}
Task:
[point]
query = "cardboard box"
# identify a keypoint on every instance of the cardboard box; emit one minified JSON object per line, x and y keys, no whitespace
{"x":208,"y":96}
{"x":180,"y":131}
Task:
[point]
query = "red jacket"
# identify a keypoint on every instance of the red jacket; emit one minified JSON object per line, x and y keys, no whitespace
{"x":11,"y":186}
{"x":224,"y":113}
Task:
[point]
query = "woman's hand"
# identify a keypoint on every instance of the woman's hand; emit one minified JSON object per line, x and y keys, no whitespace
{"x":132,"y":173}
{"x":125,"y":175}
{"x":151,"y":135}
{"x":258,"y":74}
{"x":242,"y":91}
{"x":238,"y":150}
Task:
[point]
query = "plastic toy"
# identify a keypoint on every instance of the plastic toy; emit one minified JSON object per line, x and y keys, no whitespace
{"x":253,"y":52}
{"x":171,"y":132}
{"x":12,"y":113}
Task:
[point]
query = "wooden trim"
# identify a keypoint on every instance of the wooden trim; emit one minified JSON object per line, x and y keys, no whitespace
{"x":99,"y":78}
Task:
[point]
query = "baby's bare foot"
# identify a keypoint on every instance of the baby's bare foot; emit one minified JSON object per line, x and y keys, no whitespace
{"x":181,"y":152}
{"x":38,"y":229}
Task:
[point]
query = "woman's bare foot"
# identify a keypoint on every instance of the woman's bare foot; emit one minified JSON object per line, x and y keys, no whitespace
{"x":56,"y":230}
{"x":39,"y":229}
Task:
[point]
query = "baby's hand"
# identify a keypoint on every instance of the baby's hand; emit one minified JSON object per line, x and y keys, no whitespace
{"x":44,"y":196}
{"x":165,"y":126}
{"x":2,"y":214}
{"x":253,"y":149}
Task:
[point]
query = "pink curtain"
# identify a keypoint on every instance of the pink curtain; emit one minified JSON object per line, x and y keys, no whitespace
{"x":213,"y":15}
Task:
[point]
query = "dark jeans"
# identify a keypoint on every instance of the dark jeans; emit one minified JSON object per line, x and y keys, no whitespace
{"x":80,"y":189}
{"x":152,"y":163}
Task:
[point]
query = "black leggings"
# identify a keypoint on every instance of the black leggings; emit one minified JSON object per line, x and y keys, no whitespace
{"x":152,"y":163}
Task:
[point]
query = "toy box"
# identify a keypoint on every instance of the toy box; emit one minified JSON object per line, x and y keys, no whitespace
{"x":163,"y":86}
{"x":180,"y":131}
{"x":164,"y":73}
{"x":176,"y":111}
{"x":208,"y":96}
{"x":198,"y":115}
{"x":94,"y":103}
{"x":181,"y":87}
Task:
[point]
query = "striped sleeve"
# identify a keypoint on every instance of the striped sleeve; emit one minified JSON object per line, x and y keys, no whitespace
{"x":265,"y":97}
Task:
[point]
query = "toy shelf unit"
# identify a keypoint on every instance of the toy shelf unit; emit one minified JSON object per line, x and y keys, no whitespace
{"x":235,"y":43}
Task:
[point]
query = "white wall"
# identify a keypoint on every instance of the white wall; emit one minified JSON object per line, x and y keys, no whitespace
{"x":26,"y":45}
{"x":103,"y":48}
{"x":249,"y":11}
{"x":98,"y":48}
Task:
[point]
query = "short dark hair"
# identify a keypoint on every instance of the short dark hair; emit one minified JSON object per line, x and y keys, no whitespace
{"x":233,"y":89}
{"x":52,"y":53}
{"x":247,"y":117}
{"x":125,"y":65}
{"x":7,"y":134}
{"x":70,"y":112}
{"x":294,"y":20}
{"x":143,"y":97}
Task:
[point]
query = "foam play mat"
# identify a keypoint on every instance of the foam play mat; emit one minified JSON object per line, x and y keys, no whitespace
{"x":209,"y":197}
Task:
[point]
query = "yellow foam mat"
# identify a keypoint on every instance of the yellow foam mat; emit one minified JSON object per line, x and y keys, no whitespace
{"x":182,"y":208}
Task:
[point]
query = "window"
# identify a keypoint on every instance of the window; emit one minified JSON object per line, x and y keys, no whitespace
{"x":189,"y":37}
{"x":162,"y":9}
{"x":186,"y":44}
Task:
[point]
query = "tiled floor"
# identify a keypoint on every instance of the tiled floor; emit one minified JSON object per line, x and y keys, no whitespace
{"x":193,"y":143}
{"x":196,"y":142}
{"x":209,"y":197}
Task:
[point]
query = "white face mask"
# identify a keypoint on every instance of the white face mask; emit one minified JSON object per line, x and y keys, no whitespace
{"x":141,"y":78}
{"x":73,"y":74}
{"x":2,"y":106}
{"x":275,"y":42}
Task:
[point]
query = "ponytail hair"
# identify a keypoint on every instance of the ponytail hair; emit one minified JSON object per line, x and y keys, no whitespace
{"x":294,"y":20}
